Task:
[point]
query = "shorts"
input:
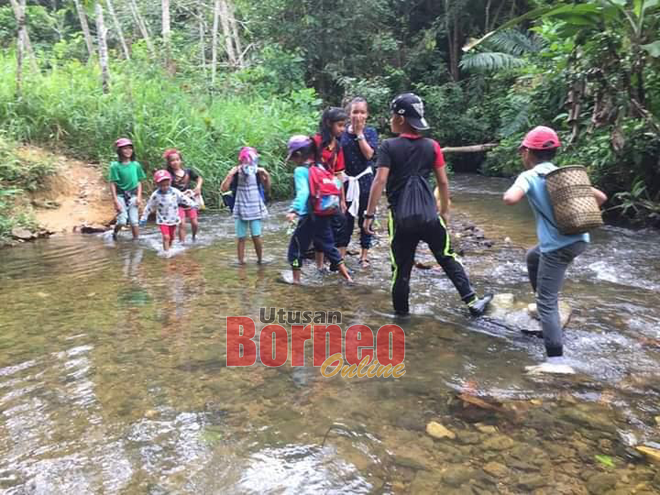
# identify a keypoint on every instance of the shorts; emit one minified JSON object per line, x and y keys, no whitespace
{"x":130,"y":215}
{"x":188,"y":212}
{"x":242,"y":226}
{"x":168,"y":230}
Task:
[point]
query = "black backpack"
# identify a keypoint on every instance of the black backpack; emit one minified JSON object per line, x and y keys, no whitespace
{"x":416,"y":208}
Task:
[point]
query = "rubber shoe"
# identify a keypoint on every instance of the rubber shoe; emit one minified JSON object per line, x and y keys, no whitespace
{"x":478,"y":307}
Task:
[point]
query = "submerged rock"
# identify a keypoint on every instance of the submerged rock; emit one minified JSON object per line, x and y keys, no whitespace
{"x":496,"y":469}
{"x":601,"y":482}
{"x":518,"y":315}
{"x":436,"y":430}
{"x":93,"y":229}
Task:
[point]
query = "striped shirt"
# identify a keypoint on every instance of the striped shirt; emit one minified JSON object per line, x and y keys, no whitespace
{"x":248,"y":204}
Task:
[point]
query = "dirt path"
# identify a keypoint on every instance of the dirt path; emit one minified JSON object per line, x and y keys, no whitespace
{"x":77,"y":195}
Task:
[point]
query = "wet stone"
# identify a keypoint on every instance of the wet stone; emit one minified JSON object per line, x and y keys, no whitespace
{"x":531,"y":481}
{"x":436,"y":430}
{"x":458,"y":475}
{"x":425,"y":482}
{"x":496,"y":469}
{"x":653,"y":455}
{"x":498,"y":442}
{"x":411,"y":422}
{"x":468,"y":437}
{"x":601,"y":482}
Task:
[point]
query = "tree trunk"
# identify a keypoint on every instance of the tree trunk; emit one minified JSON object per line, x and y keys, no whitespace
{"x":226,"y":30}
{"x":85,"y":27}
{"x":165,"y":7}
{"x":477,"y":148}
{"x":141,"y":26}
{"x":20,"y":44}
{"x":235,"y":35}
{"x":451,"y":23}
{"x":103,"y":48}
{"x":202,"y":44}
{"x":214,"y":38}
{"x":23,"y":36}
{"x":120,"y":33}
{"x":487,"y":20}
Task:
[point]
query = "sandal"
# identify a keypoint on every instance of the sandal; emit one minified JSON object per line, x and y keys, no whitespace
{"x":365,"y":263}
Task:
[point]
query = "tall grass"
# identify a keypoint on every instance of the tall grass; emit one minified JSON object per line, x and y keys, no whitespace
{"x":65,"y":107}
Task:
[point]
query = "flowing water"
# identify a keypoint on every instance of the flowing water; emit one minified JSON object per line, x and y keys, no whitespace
{"x":113,"y":376}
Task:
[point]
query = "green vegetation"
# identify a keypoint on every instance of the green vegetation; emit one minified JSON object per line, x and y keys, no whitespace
{"x":233,"y":72}
{"x":17,"y":176}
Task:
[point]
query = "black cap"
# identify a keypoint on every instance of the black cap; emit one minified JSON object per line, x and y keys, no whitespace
{"x":411,"y":107}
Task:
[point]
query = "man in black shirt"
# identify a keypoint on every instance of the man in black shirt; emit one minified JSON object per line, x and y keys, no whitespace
{"x":411,"y":157}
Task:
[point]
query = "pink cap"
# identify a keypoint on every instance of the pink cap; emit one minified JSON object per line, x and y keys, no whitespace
{"x":162,"y":175}
{"x":123,"y":142}
{"x":248,"y":155}
{"x":541,"y":138}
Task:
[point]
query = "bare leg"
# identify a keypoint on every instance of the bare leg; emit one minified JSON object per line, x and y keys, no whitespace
{"x":258,"y":247}
{"x":182,"y":229}
{"x":342,"y":251}
{"x":116,"y":231}
{"x":240,"y":245}
{"x":194,"y":225}
{"x":344,"y":272}
{"x":296,"y":275}
{"x":136,"y":231}
{"x":166,"y":242}
{"x":318,"y":256}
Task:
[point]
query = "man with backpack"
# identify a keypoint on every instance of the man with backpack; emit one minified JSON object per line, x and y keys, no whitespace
{"x":546,"y":262}
{"x":404,"y":165}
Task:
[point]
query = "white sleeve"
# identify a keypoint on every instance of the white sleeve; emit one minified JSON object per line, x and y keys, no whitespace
{"x":149,"y":206}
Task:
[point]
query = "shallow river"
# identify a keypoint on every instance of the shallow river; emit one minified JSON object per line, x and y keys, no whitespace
{"x":113,"y":376}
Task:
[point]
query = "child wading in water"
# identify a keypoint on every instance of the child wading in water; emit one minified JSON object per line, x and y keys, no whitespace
{"x":546,"y":262}
{"x":125,"y":176}
{"x":165,"y":201}
{"x":249,"y":209}
{"x":404,"y":164}
{"x":188,"y":182}
{"x":313,"y":225}
{"x":358,"y":144}
{"x":329,"y":153}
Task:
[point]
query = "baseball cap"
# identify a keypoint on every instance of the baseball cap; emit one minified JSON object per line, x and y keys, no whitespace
{"x":121,"y":142}
{"x":411,"y":107}
{"x":541,"y":138}
{"x":162,"y":175}
{"x":296,"y":143}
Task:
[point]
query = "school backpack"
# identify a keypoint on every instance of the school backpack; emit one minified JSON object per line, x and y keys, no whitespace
{"x":229,"y":198}
{"x":416,"y":208}
{"x":324,"y":192}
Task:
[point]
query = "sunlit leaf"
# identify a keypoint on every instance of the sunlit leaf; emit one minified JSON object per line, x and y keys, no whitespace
{"x":653,"y":49}
{"x":605,"y":460}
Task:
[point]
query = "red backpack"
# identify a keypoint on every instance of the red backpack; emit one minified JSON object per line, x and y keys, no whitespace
{"x":323,"y":191}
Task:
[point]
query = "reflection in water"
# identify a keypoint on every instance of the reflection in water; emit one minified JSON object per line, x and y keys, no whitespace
{"x":113,"y":376}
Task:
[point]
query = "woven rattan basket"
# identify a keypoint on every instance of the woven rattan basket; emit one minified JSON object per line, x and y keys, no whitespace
{"x":574,"y":205}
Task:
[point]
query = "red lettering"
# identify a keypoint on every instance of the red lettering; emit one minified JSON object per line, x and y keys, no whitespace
{"x":321,"y":342}
{"x":299,"y":335}
{"x":241,"y":349}
{"x":273,"y":355}
{"x":398,"y":347}
{"x":359,"y":337}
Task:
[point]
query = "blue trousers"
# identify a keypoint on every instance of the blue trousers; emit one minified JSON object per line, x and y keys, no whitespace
{"x":319,"y":231}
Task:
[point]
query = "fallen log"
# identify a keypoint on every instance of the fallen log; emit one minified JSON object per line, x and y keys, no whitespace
{"x":470,"y":149}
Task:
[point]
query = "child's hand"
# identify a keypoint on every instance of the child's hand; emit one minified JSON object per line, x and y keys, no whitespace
{"x":291,"y":216}
{"x":118,"y":206}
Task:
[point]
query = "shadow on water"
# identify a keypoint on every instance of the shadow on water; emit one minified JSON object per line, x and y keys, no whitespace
{"x":113,"y":375}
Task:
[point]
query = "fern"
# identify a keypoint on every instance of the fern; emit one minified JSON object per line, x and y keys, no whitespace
{"x":490,"y":62}
{"x":516,"y":117}
{"x":515,"y":42}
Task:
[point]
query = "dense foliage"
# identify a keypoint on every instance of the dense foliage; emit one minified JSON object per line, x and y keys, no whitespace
{"x":221,"y":74}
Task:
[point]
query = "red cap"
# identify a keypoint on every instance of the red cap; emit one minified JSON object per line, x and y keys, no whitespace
{"x":541,"y":138}
{"x":162,"y":175}
{"x":170,"y":152}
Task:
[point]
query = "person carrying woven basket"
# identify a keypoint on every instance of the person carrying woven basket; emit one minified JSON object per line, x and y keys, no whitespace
{"x":548,"y":260}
